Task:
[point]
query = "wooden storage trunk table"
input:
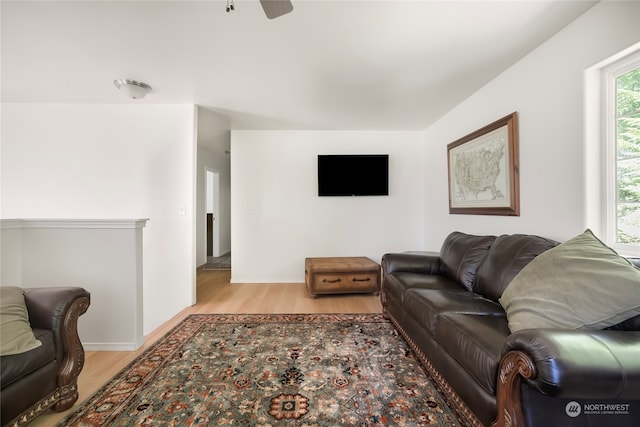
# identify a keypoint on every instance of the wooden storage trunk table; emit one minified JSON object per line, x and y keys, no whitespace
{"x":341,"y":275}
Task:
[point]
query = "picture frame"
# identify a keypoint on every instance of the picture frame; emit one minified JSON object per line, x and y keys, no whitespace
{"x":483,"y":168}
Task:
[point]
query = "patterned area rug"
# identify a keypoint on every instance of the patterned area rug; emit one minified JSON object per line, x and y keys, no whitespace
{"x":222,"y":262}
{"x":273,"y":370}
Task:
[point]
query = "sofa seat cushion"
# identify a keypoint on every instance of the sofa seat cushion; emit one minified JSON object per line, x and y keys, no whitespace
{"x":17,"y":366}
{"x":397,"y":284}
{"x":476,"y":342}
{"x":427,"y":305}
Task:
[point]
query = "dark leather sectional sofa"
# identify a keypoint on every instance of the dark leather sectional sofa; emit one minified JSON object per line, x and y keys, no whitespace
{"x":447,"y":307}
{"x":45,"y":377}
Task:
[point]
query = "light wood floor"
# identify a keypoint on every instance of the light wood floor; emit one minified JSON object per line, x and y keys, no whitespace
{"x":216,"y":295}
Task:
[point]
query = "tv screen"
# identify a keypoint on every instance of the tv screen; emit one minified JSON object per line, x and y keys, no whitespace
{"x":353,"y":175}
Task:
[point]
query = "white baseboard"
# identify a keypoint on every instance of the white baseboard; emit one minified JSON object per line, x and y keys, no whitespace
{"x":109,"y":346}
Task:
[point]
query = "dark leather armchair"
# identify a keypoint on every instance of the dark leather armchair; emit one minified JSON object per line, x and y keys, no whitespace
{"x":45,"y":377}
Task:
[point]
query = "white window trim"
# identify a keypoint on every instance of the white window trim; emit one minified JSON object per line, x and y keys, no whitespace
{"x":609,"y":205}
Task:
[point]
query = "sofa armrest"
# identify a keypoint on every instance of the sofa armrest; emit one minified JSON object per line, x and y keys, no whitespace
{"x":567,"y":364}
{"x":412,"y":262}
{"x":49,"y":307}
{"x":58,"y":309}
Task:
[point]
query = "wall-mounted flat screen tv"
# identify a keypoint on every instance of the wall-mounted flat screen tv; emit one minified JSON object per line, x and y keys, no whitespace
{"x":353,"y":175}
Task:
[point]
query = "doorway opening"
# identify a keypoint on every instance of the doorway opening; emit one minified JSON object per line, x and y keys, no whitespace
{"x":213,"y":212}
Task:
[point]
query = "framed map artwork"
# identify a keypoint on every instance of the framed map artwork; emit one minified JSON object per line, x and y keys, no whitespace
{"x":483,"y":170}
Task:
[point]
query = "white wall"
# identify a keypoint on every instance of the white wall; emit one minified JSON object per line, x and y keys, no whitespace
{"x":213,"y":140}
{"x":110,"y":162}
{"x":279,"y":220}
{"x":10,"y":256}
{"x":547,"y":89}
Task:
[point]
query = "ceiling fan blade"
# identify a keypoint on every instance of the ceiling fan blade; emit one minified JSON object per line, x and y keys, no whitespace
{"x":275,"y":8}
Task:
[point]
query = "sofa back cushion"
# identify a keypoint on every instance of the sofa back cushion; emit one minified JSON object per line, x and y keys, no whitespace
{"x":507,"y":256}
{"x":632,"y":324}
{"x":462,"y":254}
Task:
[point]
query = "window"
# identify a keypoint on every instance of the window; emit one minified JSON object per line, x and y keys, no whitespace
{"x":622,"y":116}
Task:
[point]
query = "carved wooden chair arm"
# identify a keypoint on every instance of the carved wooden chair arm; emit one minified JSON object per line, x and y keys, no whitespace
{"x":515,"y":367}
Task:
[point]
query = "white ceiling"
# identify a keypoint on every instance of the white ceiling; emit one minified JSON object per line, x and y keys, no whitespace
{"x":327,"y":65}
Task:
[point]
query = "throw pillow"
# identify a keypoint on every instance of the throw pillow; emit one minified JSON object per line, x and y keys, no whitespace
{"x":16,"y":335}
{"x":579,"y":284}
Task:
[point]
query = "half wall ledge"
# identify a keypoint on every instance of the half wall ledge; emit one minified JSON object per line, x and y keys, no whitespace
{"x":73,"y":223}
{"x":103,"y":256}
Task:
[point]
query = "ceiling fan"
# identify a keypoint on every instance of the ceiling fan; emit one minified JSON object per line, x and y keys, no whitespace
{"x":272,"y":8}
